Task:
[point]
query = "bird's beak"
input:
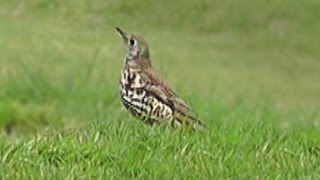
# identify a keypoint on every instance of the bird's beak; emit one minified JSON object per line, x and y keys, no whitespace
{"x":123,"y":34}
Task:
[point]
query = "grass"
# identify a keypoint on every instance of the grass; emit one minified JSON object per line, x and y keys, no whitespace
{"x":250,"y":69}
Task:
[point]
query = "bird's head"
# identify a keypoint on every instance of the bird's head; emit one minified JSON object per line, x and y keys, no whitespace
{"x":137,"y":47}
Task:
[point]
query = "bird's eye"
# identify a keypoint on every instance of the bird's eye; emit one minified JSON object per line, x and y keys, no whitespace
{"x":132,"y":42}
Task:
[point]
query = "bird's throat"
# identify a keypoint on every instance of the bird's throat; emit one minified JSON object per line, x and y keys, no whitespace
{"x":137,"y":63}
{"x":130,"y":61}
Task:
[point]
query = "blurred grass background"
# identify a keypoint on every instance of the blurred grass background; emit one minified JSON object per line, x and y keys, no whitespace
{"x":60,"y":60}
{"x":250,"y":69}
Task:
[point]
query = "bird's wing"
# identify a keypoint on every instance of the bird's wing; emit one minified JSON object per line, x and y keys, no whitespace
{"x":159,"y":88}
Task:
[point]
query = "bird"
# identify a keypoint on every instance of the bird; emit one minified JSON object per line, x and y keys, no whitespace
{"x":145,"y":94}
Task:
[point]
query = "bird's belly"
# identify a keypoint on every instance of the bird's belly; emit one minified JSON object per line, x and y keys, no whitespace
{"x":141,"y":103}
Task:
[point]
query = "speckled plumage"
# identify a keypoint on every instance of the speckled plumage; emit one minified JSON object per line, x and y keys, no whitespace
{"x":145,"y":94}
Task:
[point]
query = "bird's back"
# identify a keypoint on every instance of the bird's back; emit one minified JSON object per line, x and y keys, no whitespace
{"x":182,"y":112}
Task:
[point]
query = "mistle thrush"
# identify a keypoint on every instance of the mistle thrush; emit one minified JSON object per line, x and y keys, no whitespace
{"x":143,"y":91}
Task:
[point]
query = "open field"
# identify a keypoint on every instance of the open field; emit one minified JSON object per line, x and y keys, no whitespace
{"x":250,"y":69}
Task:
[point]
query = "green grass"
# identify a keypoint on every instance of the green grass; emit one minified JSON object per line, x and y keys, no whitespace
{"x":250,"y":69}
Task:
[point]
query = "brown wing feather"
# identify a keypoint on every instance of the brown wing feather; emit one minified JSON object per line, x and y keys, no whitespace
{"x":182,"y":111}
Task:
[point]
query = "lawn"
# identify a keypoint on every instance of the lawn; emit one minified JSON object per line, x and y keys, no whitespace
{"x":250,"y":69}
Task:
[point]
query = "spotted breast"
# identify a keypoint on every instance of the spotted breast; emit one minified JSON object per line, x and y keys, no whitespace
{"x":139,"y":101}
